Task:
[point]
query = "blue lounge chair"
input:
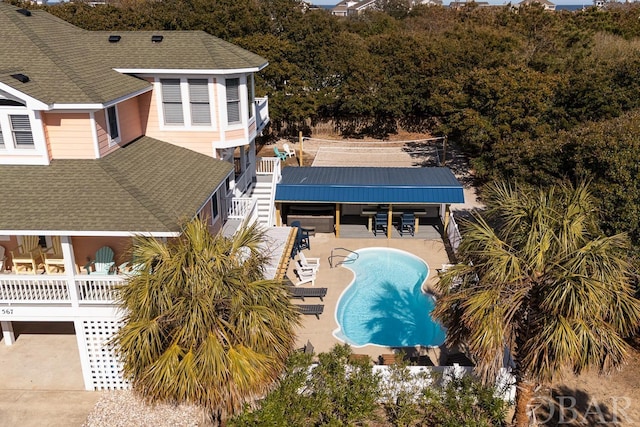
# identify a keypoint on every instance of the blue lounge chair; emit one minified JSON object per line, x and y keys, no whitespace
{"x":281,"y":156}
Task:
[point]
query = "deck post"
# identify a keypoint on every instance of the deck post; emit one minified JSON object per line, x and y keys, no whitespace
{"x":447,"y":212}
{"x":69,"y":269}
{"x":337,"y":219}
{"x":300,"y":140}
{"x":278,"y":216}
{"x":7,"y":333}
{"x":389,"y":220}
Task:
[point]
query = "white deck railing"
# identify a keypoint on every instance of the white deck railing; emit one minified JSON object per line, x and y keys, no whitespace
{"x":53,"y":289}
{"x":262,"y":113}
{"x":33,"y":288}
{"x":241,"y":207}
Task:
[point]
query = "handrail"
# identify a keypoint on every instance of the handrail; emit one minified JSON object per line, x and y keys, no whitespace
{"x":345,"y":258}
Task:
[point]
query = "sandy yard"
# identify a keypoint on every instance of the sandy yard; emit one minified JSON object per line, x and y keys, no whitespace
{"x":589,"y":399}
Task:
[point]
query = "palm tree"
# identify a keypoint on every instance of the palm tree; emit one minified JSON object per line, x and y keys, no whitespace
{"x":201,"y":324}
{"x":539,"y":280}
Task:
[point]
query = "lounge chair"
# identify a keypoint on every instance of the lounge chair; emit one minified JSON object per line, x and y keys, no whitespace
{"x":281,"y":156}
{"x":308,"y":263}
{"x":307,"y":348}
{"x":288,"y":151}
{"x":103,"y":263}
{"x":407,"y":223}
{"x":460,"y":359}
{"x":311,"y":309}
{"x":380,"y":222}
{"x":302,"y":293}
{"x":306,"y":276}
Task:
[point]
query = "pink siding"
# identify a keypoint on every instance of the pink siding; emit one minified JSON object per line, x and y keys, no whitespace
{"x":234,"y":135}
{"x":84,"y":248}
{"x":129,"y":116}
{"x":103,"y":136}
{"x":69,"y":135}
{"x":198,"y":141}
{"x":130,"y":128}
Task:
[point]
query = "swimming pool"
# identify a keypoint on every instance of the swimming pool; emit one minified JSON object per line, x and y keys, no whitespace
{"x":385,"y":305}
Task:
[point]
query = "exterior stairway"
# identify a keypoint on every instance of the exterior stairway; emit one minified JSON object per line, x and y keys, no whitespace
{"x":264,"y":191}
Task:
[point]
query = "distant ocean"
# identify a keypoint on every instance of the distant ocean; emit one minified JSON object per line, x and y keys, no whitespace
{"x":570,"y":7}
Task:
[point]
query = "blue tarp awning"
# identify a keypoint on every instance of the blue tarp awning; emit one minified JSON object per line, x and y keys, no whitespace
{"x":369,"y":185}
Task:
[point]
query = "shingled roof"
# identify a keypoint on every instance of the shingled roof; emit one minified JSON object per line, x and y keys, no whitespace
{"x":69,"y":65}
{"x":149,"y":186}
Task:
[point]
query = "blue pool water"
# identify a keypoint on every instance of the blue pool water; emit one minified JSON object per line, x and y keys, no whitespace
{"x":385,"y":305}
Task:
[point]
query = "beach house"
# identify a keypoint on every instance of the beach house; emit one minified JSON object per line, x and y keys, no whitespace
{"x":108,"y":135}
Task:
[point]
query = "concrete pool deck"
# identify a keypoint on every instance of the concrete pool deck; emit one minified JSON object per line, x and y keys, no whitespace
{"x":320,"y":331}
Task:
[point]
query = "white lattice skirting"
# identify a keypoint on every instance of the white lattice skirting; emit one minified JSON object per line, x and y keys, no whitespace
{"x":101,"y":369}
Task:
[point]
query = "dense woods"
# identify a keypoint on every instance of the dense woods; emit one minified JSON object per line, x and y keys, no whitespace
{"x":529,"y":95}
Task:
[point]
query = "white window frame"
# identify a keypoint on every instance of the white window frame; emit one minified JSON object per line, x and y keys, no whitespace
{"x":238,"y":100}
{"x":187,"y":124}
{"x":107,"y":115}
{"x":251,"y":97}
{"x":22,"y":155}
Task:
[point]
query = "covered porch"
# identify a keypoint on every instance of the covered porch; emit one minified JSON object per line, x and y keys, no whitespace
{"x":362,"y":202}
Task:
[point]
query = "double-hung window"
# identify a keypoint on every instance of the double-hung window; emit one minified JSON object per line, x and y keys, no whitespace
{"x":172,"y":102}
{"x":185,"y":102}
{"x":112,"y":125}
{"x":21,"y":131}
{"x":233,"y":100}
{"x":199,"y":100}
{"x":250,"y":95}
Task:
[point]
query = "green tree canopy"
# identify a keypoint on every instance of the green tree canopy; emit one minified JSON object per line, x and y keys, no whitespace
{"x":540,"y":281}
{"x":201,"y":324}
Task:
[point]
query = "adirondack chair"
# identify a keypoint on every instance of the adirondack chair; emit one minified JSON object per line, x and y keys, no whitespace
{"x":305,"y":263}
{"x":103,"y":264}
{"x":25,"y":257}
{"x":281,"y":156}
{"x":288,"y":151}
{"x":52,"y":256}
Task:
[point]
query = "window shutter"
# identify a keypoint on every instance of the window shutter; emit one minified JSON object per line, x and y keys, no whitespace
{"x":172,"y":101}
{"x":199,"y":99}
{"x":22,"y":131}
{"x":1,"y":139}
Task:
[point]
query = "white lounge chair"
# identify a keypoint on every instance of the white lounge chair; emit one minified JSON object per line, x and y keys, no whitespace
{"x":308,"y":263}
{"x":288,"y":151}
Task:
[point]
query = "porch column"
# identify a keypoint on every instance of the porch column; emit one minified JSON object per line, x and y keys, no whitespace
{"x":447,"y":212}
{"x":7,"y":333}
{"x":243,"y":159}
{"x":338,"y":219}
{"x":389,"y":220}
{"x":278,"y":216}
{"x":252,"y":159}
{"x":83,"y":350}
{"x":69,"y":268}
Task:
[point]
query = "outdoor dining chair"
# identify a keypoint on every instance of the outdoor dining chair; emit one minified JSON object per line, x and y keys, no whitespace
{"x":380,"y":223}
{"x":407,"y":223}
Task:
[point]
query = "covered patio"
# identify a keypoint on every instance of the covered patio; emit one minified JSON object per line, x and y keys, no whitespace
{"x":368,"y":202}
